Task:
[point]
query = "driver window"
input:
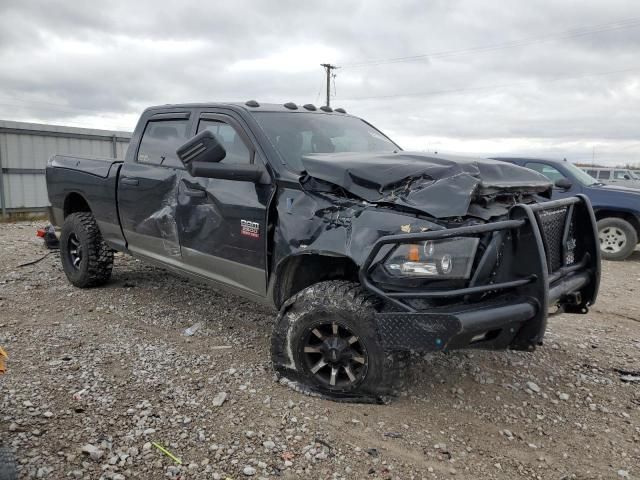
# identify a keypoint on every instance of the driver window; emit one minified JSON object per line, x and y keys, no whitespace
{"x":548,"y":171}
{"x":237,"y":151}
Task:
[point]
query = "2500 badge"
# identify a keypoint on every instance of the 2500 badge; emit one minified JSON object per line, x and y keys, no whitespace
{"x":249,"y":229}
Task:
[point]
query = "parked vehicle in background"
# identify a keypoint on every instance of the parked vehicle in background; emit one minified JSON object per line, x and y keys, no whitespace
{"x":368,"y":252}
{"x":617,"y":208}
{"x":615,"y":176}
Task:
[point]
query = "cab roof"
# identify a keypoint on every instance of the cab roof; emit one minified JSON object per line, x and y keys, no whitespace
{"x":253,"y":106}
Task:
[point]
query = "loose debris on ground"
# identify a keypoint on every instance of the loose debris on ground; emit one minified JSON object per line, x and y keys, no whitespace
{"x":97,"y":377}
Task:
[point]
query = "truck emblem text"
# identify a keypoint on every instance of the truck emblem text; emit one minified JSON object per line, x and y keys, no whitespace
{"x":250,"y":229}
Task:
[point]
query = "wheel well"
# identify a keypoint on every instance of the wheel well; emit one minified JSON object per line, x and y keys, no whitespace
{"x":632,"y":219}
{"x":75,"y":203}
{"x":298,"y":272}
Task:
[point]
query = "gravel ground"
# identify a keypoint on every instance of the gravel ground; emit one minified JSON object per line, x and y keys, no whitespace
{"x":96,"y":376}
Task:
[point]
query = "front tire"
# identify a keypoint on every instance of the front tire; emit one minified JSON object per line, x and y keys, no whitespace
{"x":325,"y":338}
{"x":618,"y":238}
{"x":86,"y":259}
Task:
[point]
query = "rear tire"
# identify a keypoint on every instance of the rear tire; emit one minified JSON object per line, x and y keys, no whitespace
{"x":325,"y":338}
{"x":618,"y":238}
{"x":86,"y":259}
{"x":7,"y":465}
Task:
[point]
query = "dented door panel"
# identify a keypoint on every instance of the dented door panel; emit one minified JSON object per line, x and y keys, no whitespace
{"x":221,"y":224}
{"x":147,"y":196}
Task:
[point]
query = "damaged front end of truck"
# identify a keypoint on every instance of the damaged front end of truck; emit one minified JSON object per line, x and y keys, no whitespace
{"x":452,"y":253}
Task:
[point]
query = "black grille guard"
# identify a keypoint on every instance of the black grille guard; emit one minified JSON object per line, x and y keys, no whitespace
{"x":533,"y":276}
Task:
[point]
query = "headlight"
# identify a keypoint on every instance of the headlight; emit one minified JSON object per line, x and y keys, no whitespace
{"x":447,"y":258}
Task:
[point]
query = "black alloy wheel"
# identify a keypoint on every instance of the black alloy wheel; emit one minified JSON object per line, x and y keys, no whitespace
{"x":335,"y":356}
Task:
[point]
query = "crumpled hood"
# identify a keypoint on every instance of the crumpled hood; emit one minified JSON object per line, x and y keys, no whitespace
{"x":439,"y":185}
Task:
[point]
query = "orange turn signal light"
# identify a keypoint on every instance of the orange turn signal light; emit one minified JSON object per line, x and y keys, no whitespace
{"x":414,"y":253}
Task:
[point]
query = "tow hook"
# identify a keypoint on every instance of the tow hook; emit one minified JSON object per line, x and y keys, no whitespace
{"x":572,"y":303}
{"x":573,"y":298}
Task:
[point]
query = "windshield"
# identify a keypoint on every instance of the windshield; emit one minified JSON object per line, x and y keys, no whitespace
{"x":634,"y":175}
{"x":297,"y":134}
{"x":583,"y":177}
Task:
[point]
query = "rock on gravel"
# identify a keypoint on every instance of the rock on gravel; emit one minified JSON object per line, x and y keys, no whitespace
{"x":219,"y":399}
{"x":533,"y":387}
{"x":94,"y":452}
{"x":249,"y":471}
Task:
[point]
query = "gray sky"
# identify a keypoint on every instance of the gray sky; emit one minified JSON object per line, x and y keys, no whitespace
{"x":548,"y":78}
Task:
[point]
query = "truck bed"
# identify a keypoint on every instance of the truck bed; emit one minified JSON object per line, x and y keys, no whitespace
{"x":92,"y":180}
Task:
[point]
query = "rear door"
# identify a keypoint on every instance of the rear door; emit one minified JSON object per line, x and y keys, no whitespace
{"x":222,"y":223}
{"x":148,"y":189}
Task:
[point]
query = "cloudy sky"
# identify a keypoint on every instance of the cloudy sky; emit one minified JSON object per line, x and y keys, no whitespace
{"x":549,"y":78}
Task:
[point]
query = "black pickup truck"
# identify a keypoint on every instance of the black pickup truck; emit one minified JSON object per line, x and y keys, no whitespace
{"x":366,"y":251}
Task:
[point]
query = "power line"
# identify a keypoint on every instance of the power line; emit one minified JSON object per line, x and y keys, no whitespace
{"x":490,"y":87}
{"x":567,"y":34}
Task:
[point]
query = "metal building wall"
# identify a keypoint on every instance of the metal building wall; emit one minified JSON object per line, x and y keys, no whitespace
{"x":25,"y":149}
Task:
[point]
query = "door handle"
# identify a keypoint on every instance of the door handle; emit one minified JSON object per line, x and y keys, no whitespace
{"x":194,"y":192}
{"x":130,"y":181}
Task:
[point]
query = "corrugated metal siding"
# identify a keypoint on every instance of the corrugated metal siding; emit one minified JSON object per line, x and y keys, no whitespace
{"x":28,"y":146}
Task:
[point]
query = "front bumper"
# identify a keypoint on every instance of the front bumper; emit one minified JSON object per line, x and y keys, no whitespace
{"x":526,"y":268}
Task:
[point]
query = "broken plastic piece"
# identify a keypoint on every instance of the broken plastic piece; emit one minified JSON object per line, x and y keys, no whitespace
{"x":167,"y":453}
{"x":188,"y":332}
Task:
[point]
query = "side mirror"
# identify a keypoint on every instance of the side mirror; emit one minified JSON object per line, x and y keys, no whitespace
{"x":627,"y":177}
{"x":202,"y":155}
{"x":203,"y":148}
{"x":563,"y":183}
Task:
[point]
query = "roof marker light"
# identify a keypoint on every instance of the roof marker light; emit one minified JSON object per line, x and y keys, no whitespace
{"x":252,"y":103}
{"x":324,"y":108}
{"x":340,"y":110}
{"x":310,"y":106}
{"x":291,"y":106}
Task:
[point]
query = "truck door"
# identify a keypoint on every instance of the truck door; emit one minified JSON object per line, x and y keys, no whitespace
{"x":222,"y":223}
{"x":147,"y":189}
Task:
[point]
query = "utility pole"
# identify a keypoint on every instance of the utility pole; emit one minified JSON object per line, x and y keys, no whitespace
{"x":328,"y":67}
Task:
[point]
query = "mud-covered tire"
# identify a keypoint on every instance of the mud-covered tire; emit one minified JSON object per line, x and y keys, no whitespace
{"x":347,"y":305}
{"x":618,"y":238}
{"x":7,"y":465}
{"x":95,"y":262}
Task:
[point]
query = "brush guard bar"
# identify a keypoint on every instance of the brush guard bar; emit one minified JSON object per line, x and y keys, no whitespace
{"x":537,"y":270}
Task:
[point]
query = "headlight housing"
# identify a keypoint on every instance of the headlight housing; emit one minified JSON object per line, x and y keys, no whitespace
{"x":448,"y":258}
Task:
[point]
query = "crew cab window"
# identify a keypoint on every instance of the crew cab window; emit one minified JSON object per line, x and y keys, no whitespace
{"x":548,"y":171}
{"x":604,"y":175}
{"x":160,"y":140}
{"x":237,"y":151}
{"x":620,"y":175}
